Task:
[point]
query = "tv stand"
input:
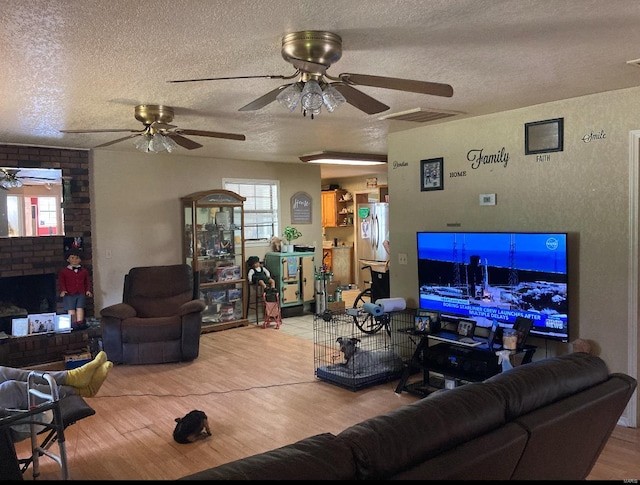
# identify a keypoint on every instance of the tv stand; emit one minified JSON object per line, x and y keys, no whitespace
{"x":452,"y":362}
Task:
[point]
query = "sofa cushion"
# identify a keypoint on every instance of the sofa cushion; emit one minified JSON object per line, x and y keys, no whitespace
{"x":531,"y":386}
{"x":319,"y":457}
{"x":404,"y":437}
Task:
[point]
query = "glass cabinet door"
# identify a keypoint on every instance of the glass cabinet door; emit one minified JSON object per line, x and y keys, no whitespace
{"x":214,"y":247}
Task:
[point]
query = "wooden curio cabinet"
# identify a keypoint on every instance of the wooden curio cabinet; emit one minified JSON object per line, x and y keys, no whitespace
{"x":213,"y":245}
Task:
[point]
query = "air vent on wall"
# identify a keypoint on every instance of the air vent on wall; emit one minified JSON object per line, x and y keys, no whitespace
{"x":419,"y":115}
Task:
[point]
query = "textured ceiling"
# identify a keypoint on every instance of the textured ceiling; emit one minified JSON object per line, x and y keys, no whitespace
{"x":85,"y":64}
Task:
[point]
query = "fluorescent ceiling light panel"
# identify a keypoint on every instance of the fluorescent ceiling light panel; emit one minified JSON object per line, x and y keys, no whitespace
{"x":338,"y":158}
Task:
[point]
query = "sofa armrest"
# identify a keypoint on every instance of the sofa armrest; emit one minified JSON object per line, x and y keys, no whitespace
{"x":193,"y":306}
{"x":121,"y":311}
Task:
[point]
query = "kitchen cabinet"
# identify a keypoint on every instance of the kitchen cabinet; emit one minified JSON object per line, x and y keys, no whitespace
{"x":336,"y":210}
{"x":375,"y":194}
{"x":294,"y":275}
{"x":213,"y":245}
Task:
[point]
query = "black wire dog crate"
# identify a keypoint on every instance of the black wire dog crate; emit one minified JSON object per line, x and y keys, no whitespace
{"x":348,"y":357}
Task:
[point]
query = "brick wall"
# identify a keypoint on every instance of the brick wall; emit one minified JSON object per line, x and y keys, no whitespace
{"x":22,"y":256}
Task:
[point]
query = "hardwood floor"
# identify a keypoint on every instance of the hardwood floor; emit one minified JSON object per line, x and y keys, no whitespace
{"x":620,"y":459}
{"x":256,"y":385}
{"x":259,"y":390}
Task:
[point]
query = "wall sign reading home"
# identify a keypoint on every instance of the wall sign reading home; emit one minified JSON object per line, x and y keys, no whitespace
{"x":301,"y":204}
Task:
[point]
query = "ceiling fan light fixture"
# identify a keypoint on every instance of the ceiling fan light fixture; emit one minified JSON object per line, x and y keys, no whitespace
{"x":10,"y":183}
{"x":290,"y":96}
{"x":169,"y":144}
{"x":339,"y":158}
{"x":332,"y":98}
{"x":156,"y":143}
{"x":311,"y":97}
{"x":143,"y":143}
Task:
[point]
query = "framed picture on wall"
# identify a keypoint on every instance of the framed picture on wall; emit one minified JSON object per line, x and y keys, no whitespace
{"x":431,"y":176}
{"x":544,"y":136}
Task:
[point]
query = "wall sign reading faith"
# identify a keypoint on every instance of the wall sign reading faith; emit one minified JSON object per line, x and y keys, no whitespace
{"x":301,"y":204}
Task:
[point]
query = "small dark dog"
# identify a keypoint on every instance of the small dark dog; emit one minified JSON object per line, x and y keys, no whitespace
{"x":193,"y":427}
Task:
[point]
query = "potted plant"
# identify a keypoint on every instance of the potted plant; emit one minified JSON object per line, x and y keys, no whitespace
{"x":290,"y":233}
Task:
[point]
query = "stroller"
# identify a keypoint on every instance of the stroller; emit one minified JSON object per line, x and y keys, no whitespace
{"x":272,"y":312}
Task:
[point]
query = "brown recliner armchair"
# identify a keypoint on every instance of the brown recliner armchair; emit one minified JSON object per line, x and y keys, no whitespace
{"x":158,"y":321}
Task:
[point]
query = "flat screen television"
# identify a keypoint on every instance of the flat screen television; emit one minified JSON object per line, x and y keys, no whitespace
{"x":496,"y":275}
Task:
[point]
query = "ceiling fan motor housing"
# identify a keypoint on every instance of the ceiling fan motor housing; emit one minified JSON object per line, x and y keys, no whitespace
{"x":152,"y":113}
{"x":316,"y":46}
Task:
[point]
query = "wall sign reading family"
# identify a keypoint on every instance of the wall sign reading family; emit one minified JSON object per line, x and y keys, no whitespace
{"x":431,"y":174}
{"x":301,"y":204}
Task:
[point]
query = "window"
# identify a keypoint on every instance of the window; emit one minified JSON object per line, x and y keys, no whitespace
{"x":260,"y":208}
{"x":47,"y":215}
{"x":31,"y":215}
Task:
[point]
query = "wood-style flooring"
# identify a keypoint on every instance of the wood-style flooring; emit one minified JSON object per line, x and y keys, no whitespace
{"x":259,"y":390}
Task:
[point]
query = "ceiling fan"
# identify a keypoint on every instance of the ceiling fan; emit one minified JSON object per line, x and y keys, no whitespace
{"x":158,"y":135}
{"x":312,"y":52}
{"x":10,"y":178}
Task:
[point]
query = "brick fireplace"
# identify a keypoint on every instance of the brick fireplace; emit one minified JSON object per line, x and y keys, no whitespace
{"x":33,"y":293}
{"x":42,"y":257}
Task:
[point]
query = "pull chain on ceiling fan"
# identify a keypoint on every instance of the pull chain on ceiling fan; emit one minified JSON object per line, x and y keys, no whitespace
{"x":312,"y":52}
{"x":158,"y":135}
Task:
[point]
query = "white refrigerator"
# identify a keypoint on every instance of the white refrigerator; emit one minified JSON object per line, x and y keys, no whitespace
{"x":372,"y":229}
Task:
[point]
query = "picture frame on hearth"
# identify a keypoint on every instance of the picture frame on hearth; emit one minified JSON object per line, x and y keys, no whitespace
{"x":42,"y":322}
{"x":20,"y":327}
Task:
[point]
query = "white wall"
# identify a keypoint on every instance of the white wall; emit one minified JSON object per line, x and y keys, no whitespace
{"x":136,"y":212}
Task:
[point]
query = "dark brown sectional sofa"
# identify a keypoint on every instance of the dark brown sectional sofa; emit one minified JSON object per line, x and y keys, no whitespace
{"x":547,"y":420}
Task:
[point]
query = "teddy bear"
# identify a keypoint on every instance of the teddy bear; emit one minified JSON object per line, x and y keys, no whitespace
{"x":276,"y":244}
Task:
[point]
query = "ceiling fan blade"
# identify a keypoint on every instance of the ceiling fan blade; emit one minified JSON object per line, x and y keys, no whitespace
{"x":184,"y":142}
{"x":266,"y":76}
{"x":113,"y":142}
{"x":23,"y":177}
{"x":422,"y":87}
{"x":262,"y":101}
{"x":360,"y":100}
{"x":307,"y":66}
{"x":156,"y":125}
{"x":212,"y":134}
{"x":115,"y":130}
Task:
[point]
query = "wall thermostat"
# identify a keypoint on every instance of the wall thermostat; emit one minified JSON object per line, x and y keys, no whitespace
{"x":487,"y":199}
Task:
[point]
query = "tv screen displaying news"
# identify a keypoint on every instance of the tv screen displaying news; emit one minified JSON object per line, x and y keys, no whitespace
{"x":491,"y":275}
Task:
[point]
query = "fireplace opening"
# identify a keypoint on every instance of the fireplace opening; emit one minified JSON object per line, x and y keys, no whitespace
{"x":33,"y":294}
